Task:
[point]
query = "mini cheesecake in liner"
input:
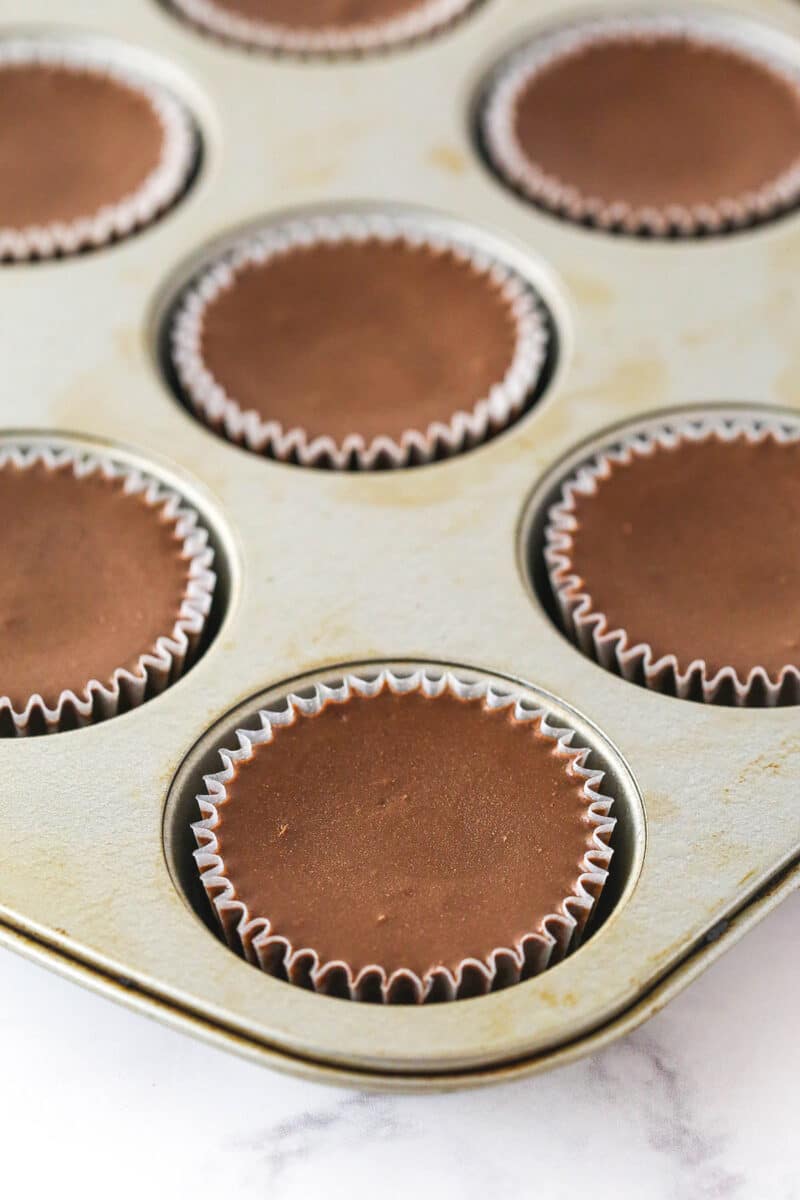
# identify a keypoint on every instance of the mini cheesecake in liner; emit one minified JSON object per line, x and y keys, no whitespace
{"x":90,"y":150}
{"x":371,"y":855}
{"x":322,"y":27}
{"x":672,"y":557}
{"x":358,"y":341}
{"x":108,"y":592}
{"x":649,"y":124}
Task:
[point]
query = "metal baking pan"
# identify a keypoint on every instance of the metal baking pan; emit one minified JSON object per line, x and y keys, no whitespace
{"x":317,"y":567}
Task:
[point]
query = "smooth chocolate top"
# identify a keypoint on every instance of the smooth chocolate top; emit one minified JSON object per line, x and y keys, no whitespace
{"x":71,"y":142}
{"x":92,"y":578}
{"x":320,"y":14}
{"x":359,"y":338}
{"x":404,"y":831}
{"x":696,"y":552}
{"x":659,"y":122}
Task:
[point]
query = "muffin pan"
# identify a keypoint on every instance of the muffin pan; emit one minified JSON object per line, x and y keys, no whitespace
{"x":323,"y":570}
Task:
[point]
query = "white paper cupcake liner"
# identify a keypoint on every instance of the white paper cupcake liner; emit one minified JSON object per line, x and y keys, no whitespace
{"x":157,"y":192}
{"x":613,"y":648}
{"x":464,"y":429}
{"x":428,"y":17}
{"x":558,"y":196}
{"x":172,"y":653}
{"x":252,"y":936}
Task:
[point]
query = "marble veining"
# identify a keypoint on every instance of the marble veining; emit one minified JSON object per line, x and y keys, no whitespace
{"x":699,"y":1104}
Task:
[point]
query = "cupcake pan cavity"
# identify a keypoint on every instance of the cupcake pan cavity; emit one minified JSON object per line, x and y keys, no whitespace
{"x":694,"y":29}
{"x":329,"y":572}
{"x":510,"y":395}
{"x":610,"y":643}
{"x":157,"y":666}
{"x":197,"y":798}
{"x":551,"y":935}
{"x":197,"y":618}
{"x":159,"y":189}
{"x":424,"y":19}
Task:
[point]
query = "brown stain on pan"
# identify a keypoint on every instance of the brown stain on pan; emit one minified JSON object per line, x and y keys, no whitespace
{"x":330,"y":641}
{"x":772,"y":765}
{"x":784,"y":255}
{"x":589,"y":290}
{"x":554,"y":999}
{"x":315,"y":174}
{"x":787,"y":383}
{"x":316,"y":159}
{"x":76,"y":406}
{"x":419,"y":487}
{"x":87,"y":395}
{"x":661,"y":807}
{"x":448,"y":159}
{"x":127,"y":341}
{"x":635,"y":385}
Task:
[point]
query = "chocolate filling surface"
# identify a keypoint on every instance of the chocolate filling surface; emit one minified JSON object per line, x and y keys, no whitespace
{"x":71,"y":142}
{"x":359,"y":338}
{"x":92,"y":578}
{"x":320,"y":14}
{"x":660,"y":121}
{"x":404,"y":831}
{"x":694,"y":550}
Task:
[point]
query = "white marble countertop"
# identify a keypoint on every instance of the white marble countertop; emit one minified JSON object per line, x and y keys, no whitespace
{"x":700,"y":1103}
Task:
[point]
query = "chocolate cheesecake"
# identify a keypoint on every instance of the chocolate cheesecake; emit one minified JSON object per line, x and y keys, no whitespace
{"x":688,"y":550}
{"x":320,"y":26}
{"x":358,"y":351}
{"x":87,"y":153}
{"x":100,"y":581}
{"x":406,"y":833}
{"x":646,"y":125}
{"x":320,"y":14}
